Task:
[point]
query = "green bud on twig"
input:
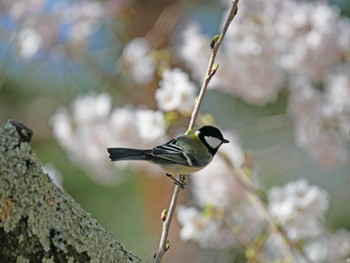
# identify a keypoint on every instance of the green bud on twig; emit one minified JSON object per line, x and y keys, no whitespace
{"x":214,"y":69}
{"x":214,"y":40}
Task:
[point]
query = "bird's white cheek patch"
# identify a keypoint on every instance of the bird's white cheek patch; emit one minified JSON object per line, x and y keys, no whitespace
{"x":212,"y":141}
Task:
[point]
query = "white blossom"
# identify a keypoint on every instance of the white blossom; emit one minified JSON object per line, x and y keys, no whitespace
{"x":90,"y":108}
{"x":192,"y":221}
{"x":206,"y":231}
{"x":123,"y":127}
{"x":322,"y":119}
{"x":274,"y":249}
{"x":63,"y":129}
{"x":317,"y":249}
{"x":137,"y":60}
{"x":299,"y":208}
{"x":328,"y":247}
{"x":194,"y":49}
{"x":82,"y":133}
{"x":30,"y":42}
{"x":337,"y":85}
{"x":307,"y":35}
{"x":135,"y":128}
{"x":92,"y":126}
{"x":175,"y":92}
{"x":216,"y":228}
{"x":339,"y":246}
{"x":150,"y":125}
{"x":84,"y":18}
{"x":249,"y":66}
{"x":324,"y":248}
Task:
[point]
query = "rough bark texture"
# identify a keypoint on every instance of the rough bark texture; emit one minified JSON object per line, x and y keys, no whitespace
{"x":39,"y":222}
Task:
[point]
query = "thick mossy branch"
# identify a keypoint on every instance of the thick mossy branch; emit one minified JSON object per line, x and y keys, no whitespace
{"x":39,"y":222}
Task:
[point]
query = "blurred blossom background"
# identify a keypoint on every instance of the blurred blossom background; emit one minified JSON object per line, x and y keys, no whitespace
{"x":87,"y":75}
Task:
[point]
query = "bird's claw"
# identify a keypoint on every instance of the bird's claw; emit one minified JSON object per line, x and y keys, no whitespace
{"x":177,"y":182}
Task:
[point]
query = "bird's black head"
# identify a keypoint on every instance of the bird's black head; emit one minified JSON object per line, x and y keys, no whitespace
{"x":211,"y":137}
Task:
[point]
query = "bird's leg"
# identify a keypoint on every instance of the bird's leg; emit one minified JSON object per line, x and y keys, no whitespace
{"x":181,"y":184}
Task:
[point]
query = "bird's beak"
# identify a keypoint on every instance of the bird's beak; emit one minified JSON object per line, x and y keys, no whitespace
{"x":225,"y":141}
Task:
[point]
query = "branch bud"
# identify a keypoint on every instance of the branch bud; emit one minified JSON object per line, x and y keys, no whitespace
{"x":163,"y":215}
{"x":214,"y":69}
{"x":167,"y":246}
{"x":213,"y":41}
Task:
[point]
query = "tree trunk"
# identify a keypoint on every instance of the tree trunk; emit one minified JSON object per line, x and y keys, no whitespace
{"x":39,"y":222}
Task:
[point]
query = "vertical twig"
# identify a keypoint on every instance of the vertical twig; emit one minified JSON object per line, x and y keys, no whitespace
{"x":212,"y":67}
{"x":163,"y":244}
{"x":211,"y":70}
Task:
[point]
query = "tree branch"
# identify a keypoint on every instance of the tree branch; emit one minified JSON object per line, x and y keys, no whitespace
{"x":211,"y":70}
{"x":39,"y":222}
{"x":261,"y":209}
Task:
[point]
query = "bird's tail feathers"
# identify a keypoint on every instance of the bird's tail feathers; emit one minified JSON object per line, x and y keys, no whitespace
{"x":120,"y":154}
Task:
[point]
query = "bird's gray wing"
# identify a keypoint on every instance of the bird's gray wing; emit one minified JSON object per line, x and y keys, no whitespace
{"x":173,"y":152}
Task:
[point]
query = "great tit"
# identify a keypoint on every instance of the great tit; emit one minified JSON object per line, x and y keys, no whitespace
{"x":185,"y":154}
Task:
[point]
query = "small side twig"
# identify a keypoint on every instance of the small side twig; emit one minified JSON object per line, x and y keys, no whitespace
{"x":260,"y":207}
{"x":212,"y":68}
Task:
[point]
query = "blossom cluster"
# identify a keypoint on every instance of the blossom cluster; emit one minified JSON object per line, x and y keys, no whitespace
{"x":39,"y":26}
{"x":176,"y":92}
{"x":91,"y":126}
{"x":230,"y":222}
{"x":300,"y":209}
{"x":136,"y":61}
{"x":270,"y":46}
{"x":322,"y":118}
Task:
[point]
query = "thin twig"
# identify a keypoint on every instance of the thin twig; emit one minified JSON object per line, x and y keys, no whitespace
{"x":164,"y":245}
{"x":211,"y":66}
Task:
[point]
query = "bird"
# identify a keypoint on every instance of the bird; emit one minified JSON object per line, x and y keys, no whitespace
{"x":182,"y":155}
